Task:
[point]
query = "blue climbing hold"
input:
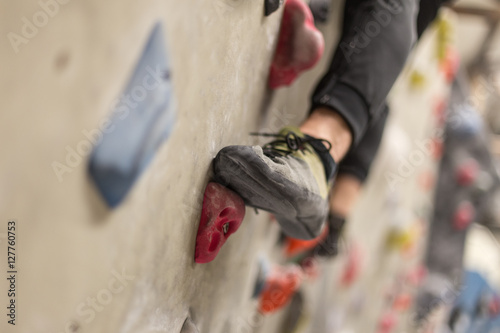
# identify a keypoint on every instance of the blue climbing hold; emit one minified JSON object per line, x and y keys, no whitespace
{"x":140,"y":122}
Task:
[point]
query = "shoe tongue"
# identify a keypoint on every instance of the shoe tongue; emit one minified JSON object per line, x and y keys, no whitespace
{"x":285,"y":130}
{"x":328,"y":163}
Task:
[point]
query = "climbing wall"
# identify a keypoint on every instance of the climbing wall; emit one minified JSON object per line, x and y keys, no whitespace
{"x":94,"y":258}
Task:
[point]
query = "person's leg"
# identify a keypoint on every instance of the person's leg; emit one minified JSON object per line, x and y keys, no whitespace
{"x":289,"y":176}
{"x":342,"y":198}
{"x":376,"y":39}
{"x":344,"y":194}
{"x":324,"y":123}
{"x":353,"y":171}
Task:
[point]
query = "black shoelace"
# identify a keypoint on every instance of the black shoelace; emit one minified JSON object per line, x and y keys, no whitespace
{"x":293,"y":142}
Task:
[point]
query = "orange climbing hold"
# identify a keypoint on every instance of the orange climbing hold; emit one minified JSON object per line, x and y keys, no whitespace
{"x":296,"y":246}
{"x":281,"y":285}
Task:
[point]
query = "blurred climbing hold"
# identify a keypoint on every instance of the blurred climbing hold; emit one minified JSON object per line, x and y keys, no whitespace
{"x":387,"y":322}
{"x":402,"y":302}
{"x":403,"y":238}
{"x":450,"y":64}
{"x":494,"y":306}
{"x":300,"y":45}
{"x":417,"y":80}
{"x":440,"y":109}
{"x":352,"y":267}
{"x":311,"y":268}
{"x":416,"y":275}
{"x":444,"y":38}
{"x":467,"y":172}
{"x":463,"y":216}
{"x":221,"y":216}
{"x":437,"y":148}
{"x":282,"y":283}
{"x":142,"y":119}
{"x":427,"y":180}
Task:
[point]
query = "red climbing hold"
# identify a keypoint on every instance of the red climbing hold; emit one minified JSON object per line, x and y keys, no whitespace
{"x":402,"y":302}
{"x":281,"y":285}
{"x":387,"y":322}
{"x":494,"y":306}
{"x":450,"y":65}
{"x":437,"y":148}
{"x":427,"y":180}
{"x":463,"y":215}
{"x":416,"y":276}
{"x":467,"y":172}
{"x":221,"y":215}
{"x":353,"y":266}
{"x":440,"y":108}
{"x":311,"y":268}
{"x":300,"y":44}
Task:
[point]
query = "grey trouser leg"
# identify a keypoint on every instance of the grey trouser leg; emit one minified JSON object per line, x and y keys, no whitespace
{"x":376,"y":40}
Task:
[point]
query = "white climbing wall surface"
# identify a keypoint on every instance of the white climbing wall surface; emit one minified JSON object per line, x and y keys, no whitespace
{"x":83,"y":267}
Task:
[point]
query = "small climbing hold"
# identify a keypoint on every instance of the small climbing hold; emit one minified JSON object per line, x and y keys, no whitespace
{"x":270,"y":6}
{"x":427,"y":180}
{"x":449,"y":65}
{"x":440,"y":109}
{"x":221,"y":215}
{"x":402,"y":302}
{"x":444,"y":37}
{"x":353,"y":266}
{"x":189,"y":327}
{"x":494,"y":306}
{"x":417,"y":80}
{"x":437,"y":148}
{"x":403,"y":239}
{"x":387,"y":323}
{"x":416,"y":276}
{"x":300,"y":45}
{"x":281,"y":285}
{"x":311,"y":268}
{"x":467,"y":172}
{"x":463,"y":215}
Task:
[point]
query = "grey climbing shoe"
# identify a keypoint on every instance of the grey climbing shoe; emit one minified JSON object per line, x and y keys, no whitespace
{"x":287,"y":177}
